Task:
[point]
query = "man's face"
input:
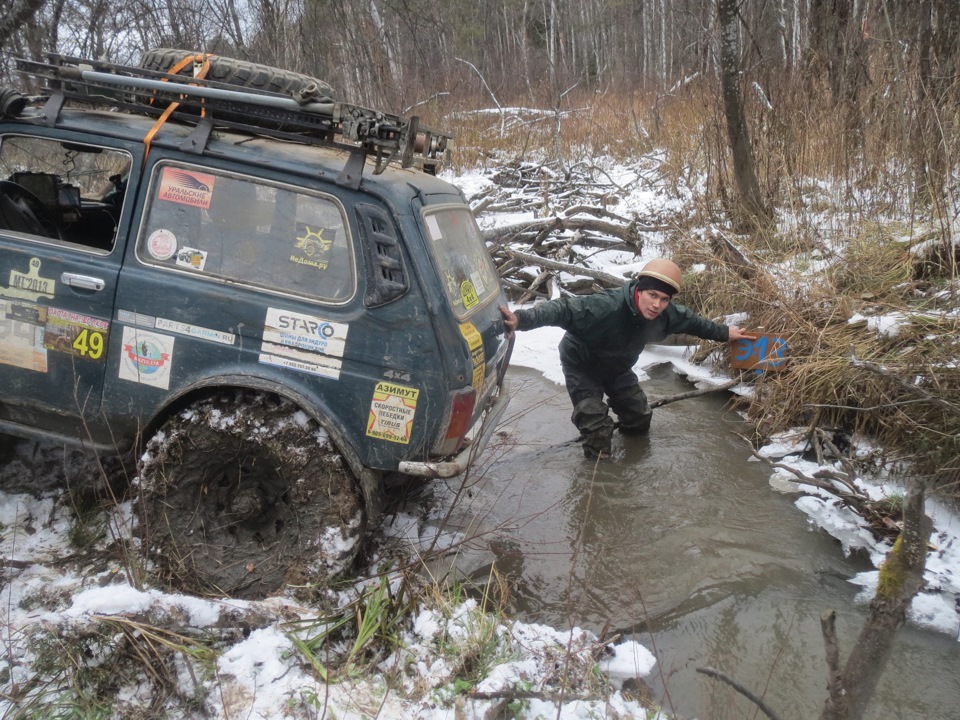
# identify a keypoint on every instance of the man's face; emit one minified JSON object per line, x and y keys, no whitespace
{"x":651,"y":303}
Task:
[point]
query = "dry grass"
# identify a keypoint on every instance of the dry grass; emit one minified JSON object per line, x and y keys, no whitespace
{"x":908,"y":409}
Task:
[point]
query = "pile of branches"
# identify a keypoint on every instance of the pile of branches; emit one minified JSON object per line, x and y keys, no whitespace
{"x":571,"y":223}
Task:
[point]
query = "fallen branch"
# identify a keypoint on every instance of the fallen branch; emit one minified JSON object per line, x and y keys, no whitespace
{"x":628,"y":232}
{"x":854,"y":499}
{"x":724,"y":248}
{"x":828,"y":627}
{"x":602,"y":277}
{"x":714,"y":673}
{"x":693,"y":393}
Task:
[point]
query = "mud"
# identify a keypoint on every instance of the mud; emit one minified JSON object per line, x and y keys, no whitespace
{"x":242,"y":495}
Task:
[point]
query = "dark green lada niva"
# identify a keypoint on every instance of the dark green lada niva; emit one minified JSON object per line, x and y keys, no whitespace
{"x":267,"y":293}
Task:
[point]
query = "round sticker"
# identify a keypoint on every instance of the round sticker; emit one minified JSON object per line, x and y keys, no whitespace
{"x":162,"y":244}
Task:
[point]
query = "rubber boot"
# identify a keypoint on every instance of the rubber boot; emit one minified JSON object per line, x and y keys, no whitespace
{"x":633,"y":411}
{"x":597,"y":444}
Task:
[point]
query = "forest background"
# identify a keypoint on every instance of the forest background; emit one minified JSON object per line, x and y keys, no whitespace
{"x":814,"y":131}
{"x":815,"y":138}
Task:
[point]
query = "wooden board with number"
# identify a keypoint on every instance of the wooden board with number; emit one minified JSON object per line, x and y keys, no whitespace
{"x":765,"y":353}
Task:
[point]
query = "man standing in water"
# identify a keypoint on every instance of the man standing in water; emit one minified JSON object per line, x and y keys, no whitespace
{"x":606,"y":333}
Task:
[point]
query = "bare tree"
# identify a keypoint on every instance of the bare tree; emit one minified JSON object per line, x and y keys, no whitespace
{"x":16,"y":16}
{"x":752,"y":212}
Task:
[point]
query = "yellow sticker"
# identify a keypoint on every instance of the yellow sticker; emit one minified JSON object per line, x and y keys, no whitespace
{"x":475,"y":343}
{"x":391,"y":412}
{"x":468,"y":294}
{"x":314,"y":248}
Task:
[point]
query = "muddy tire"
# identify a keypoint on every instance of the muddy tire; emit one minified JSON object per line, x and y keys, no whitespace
{"x":238,"y":72}
{"x":243,"y":494}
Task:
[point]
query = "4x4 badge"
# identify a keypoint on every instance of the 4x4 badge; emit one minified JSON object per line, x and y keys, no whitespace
{"x":29,"y":285}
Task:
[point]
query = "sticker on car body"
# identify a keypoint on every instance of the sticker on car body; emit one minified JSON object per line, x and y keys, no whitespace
{"x":29,"y":285}
{"x":300,"y":360}
{"x":477,"y":355}
{"x":305,"y":332}
{"x":146,"y":358}
{"x":21,"y":336}
{"x":392,"y":411}
{"x":195,"y":331}
{"x":129,"y":317}
{"x":75,"y":334}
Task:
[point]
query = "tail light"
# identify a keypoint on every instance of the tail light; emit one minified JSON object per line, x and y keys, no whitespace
{"x":459,"y":418}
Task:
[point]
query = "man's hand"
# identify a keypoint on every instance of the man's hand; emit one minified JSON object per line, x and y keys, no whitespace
{"x":736,"y":333}
{"x":510,"y":321}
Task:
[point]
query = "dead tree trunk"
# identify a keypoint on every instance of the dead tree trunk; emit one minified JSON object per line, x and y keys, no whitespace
{"x":901,"y":577}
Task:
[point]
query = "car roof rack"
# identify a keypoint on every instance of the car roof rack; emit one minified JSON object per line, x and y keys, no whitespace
{"x":207,"y":103}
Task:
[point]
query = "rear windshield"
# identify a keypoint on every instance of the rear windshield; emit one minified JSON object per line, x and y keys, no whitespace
{"x":248,"y":230}
{"x":469,"y":277}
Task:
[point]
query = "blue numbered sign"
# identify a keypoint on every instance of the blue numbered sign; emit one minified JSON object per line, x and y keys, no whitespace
{"x":766,"y":353}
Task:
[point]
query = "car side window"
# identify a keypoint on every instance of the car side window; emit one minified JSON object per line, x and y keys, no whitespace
{"x":62,"y":192}
{"x":247,"y":230}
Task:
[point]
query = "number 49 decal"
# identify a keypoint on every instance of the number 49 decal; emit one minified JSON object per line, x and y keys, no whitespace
{"x":77,"y":335}
{"x":767,"y":352}
{"x":89,"y":344}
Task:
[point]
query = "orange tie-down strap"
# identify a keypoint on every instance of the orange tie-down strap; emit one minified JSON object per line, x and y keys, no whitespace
{"x":202,"y":73}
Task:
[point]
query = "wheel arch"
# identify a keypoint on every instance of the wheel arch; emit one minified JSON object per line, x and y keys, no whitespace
{"x":369,"y":479}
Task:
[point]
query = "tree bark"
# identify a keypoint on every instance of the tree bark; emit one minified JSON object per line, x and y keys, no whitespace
{"x":901,"y":577}
{"x":752,"y":212}
{"x":16,"y":17}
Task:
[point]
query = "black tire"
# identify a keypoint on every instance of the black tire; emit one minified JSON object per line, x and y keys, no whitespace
{"x":242,"y":494}
{"x":238,"y":72}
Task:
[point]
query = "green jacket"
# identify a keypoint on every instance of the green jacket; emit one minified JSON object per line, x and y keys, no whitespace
{"x":605,"y":331}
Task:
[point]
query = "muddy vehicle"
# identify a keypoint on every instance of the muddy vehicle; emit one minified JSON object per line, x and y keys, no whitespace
{"x":268,"y":291}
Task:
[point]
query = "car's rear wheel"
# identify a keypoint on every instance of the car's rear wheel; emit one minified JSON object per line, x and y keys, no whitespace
{"x":240,"y":73}
{"x":243,"y":494}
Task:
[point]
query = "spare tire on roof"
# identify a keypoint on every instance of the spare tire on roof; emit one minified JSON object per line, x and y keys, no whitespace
{"x":240,"y":73}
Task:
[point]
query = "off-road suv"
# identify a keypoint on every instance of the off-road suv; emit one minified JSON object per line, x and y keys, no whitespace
{"x":269,"y":290}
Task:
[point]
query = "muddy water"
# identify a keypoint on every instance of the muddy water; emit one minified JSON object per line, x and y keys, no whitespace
{"x":680,"y":542}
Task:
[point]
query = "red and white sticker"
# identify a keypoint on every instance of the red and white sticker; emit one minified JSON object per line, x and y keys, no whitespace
{"x":186,"y":187}
{"x":162,"y":244}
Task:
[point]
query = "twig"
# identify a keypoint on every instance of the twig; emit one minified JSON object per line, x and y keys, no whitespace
{"x":714,"y":673}
{"x":903,"y":384}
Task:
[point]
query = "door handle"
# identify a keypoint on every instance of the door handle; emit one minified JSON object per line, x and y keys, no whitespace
{"x":83,"y":282}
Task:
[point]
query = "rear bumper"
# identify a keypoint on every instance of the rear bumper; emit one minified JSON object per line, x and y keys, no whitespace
{"x":450,"y":468}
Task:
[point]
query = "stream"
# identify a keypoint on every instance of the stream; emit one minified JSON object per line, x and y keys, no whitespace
{"x":680,"y":543}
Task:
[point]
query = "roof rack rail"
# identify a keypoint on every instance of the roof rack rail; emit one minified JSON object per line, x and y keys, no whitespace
{"x":389,"y":138}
